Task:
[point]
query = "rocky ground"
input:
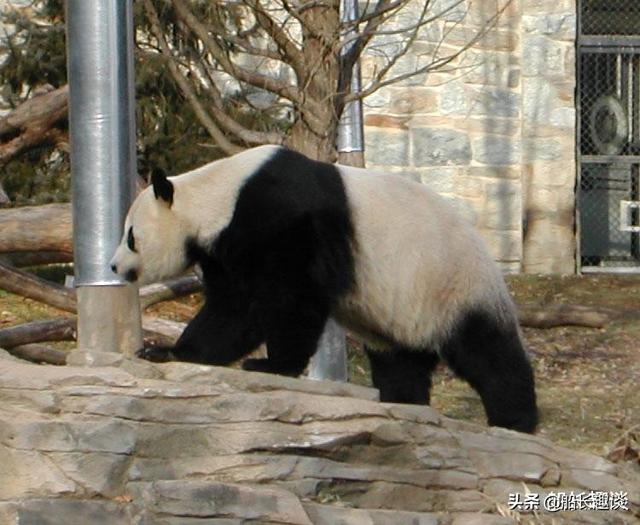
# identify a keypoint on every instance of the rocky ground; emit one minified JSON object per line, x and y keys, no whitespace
{"x":185,"y":444}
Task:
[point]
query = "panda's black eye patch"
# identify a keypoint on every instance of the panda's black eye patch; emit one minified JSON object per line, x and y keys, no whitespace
{"x":131,"y":242}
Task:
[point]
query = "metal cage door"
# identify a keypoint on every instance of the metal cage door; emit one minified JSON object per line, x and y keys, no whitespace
{"x":609,"y":136}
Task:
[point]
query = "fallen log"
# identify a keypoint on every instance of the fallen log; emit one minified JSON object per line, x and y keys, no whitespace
{"x":168,"y":290}
{"x":563,"y":315}
{"x":37,"y":121}
{"x":60,"y":329}
{"x":38,"y":353}
{"x":36,"y":258}
{"x":33,"y":287}
{"x":22,"y":340}
{"x":36,"y":228}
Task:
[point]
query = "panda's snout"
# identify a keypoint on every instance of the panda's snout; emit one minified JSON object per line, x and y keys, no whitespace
{"x":114,"y":268}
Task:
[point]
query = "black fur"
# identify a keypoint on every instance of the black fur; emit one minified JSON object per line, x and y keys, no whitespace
{"x":488,"y":354}
{"x":275,"y":272}
{"x":162,"y":187}
{"x":403,"y":375}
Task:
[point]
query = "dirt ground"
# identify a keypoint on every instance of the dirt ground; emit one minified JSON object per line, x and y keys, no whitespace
{"x":588,"y":380}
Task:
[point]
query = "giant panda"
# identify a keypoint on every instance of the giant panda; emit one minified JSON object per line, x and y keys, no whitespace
{"x":284,"y":242}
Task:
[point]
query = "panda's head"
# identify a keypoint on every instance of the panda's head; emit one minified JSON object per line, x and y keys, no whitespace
{"x":154,"y":243}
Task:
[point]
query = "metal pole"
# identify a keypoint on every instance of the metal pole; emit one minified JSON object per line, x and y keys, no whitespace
{"x":103,"y":167}
{"x":351,"y":128}
{"x":330,"y":361}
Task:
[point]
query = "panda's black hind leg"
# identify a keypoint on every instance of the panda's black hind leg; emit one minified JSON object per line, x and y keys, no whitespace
{"x":488,"y":354}
{"x":401,"y":375}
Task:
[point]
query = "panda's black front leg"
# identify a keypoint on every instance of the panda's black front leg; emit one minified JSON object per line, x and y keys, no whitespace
{"x":292,"y":335}
{"x":218,"y":335}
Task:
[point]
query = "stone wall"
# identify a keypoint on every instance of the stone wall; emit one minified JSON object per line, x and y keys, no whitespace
{"x":495,"y":132}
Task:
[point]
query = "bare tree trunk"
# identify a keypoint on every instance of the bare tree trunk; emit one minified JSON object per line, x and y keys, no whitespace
{"x":315,"y":132}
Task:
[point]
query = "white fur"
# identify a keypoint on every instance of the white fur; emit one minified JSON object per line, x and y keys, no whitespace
{"x":418,"y":264}
{"x":203,"y":204}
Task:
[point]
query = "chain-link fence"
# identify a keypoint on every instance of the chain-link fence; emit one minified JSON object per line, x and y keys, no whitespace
{"x":610,"y":17}
{"x":609,"y":132}
{"x":605,"y":243}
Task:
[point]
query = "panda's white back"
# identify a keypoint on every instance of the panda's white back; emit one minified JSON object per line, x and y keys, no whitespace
{"x":418,"y":263}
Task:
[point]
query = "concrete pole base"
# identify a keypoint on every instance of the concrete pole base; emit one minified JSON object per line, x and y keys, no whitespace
{"x":108,"y":325}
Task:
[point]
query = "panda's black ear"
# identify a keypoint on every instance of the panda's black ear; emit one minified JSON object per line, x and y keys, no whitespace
{"x":162,"y":187}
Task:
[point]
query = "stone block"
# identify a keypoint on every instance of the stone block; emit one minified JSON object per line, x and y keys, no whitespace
{"x":414,"y":101}
{"x":546,"y":7}
{"x":454,"y":100}
{"x":389,"y":122}
{"x":210,"y":499}
{"x":440,"y":147}
{"x":547,"y":149}
{"x":528,"y":468}
{"x":378,"y":99}
{"x":504,"y":246}
{"x":468,"y":209}
{"x":543,"y":57}
{"x":386,"y":148}
{"x":62,"y":435}
{"x":502,"y":208}
{"x":495,"y":103}
{"x":496,"y":150}
{"x":559,"y":26}
{"x":440,"y":180}
{"x":452,"y":10}
{"x":29,"y":473}
{"x":493,"y":40}
{"x":72,"y":512}
{"x":328,"y":515}
{"x":491,"y":69}
{"x":98,"y":474}
{"x":494,"y":172}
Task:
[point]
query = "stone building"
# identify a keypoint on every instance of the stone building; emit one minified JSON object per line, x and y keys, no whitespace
{"x":499,"y":132}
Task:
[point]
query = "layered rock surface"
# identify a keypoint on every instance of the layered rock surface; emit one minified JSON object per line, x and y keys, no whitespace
{"x":186,"y":444}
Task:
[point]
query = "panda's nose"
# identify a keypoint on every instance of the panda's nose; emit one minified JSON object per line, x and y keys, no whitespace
{"x":114,"y":268}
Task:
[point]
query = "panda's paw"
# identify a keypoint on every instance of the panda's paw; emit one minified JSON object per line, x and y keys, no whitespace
{"x":156,"y":354}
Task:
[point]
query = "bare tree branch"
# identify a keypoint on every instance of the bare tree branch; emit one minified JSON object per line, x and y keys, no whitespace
{"x":186,"y":88}
{"x":290,"y":52}
{"x":256,"y":79}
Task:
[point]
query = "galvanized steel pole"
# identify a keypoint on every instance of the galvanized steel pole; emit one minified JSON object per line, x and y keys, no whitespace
{"x":103,"y":167}
{"x":351,"y":127}
{"x":330,"y":361}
